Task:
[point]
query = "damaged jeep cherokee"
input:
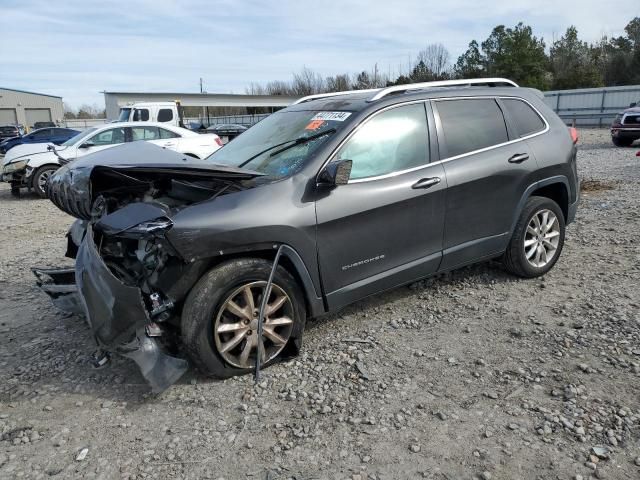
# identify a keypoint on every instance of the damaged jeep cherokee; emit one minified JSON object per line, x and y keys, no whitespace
{"x":333,"y":199}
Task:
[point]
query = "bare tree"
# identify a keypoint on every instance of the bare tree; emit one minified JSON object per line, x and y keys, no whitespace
{"x":307,"y":82}
{"x":436,"y":59}
{"x":338,"y":83}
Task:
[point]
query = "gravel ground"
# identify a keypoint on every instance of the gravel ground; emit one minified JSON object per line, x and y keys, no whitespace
{"x":473,"y":374}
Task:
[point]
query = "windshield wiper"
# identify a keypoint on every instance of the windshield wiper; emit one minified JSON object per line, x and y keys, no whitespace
{"x":293,"y":143}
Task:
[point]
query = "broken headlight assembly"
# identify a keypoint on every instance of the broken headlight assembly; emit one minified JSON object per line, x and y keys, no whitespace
{"x":15,"y":166}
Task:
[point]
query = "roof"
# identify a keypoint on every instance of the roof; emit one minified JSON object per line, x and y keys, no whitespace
{"x":30,"y":93}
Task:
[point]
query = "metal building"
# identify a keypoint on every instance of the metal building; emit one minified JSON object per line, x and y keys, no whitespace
{"x":27,"y":108}
{"x":114,"y":100}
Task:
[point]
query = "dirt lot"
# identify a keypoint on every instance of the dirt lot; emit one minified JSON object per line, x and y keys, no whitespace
{"x":474,"y":374}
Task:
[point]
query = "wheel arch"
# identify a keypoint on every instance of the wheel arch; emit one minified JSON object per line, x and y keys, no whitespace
{"x":291,"y":261}
{"x":555,"y":188}
{"x":38,"y":168}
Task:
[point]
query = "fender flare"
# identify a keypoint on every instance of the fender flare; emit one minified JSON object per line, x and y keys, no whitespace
{"x":530,"y":189}
{"x":315,"y":302}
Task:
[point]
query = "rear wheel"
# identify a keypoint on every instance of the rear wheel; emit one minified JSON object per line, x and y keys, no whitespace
{"x":41,"y":177}
{"x":220,"y":317}
{"x":537,"y":239}
{"x":622,"y":141}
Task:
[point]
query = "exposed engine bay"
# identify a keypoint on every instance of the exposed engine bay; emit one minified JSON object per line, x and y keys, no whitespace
{"x":128,"y":276}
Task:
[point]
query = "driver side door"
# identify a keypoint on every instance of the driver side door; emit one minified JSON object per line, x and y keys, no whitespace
{"x":384,"y":227}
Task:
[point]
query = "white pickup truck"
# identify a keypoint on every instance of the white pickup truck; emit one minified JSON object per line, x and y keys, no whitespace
{"x":161,"y":112}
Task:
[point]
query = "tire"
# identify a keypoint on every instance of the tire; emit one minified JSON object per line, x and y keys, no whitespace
{"x":622,"y":141}
{"x":515,"y":258}
{"x":40,"y":178}
{"x":205,"y":309}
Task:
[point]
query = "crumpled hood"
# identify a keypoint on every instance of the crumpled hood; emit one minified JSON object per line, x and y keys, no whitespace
{"x":127,"y":168}
{"x":29,"y":149}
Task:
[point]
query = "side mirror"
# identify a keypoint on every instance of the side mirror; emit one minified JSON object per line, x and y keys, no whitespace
{"x":632,"y":104}
{"x":87,"y":145}
{"x":335,"y":173}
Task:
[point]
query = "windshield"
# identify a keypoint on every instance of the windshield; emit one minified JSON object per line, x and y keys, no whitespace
{"x":278,"y":142}
{"x":124,"y":114}
{"x":73,"y":140}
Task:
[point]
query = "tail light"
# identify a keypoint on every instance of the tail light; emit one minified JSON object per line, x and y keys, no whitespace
{"x":574,"y":134}
{"x":219,"y":142}
{"x":638,"y":154}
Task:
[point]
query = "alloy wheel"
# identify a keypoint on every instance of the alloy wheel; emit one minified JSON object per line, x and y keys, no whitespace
{"x":236,"y":324}
{"x":542,"y":238}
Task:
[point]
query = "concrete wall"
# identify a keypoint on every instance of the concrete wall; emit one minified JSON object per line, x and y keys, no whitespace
{"x":19,"y":100}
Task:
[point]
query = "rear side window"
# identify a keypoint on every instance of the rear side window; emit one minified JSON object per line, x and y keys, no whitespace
{"x":391,"y":141}
{"x":144,"y":133}
{"x":471,"y":124}
{"x":165,"y":115}
{"x":527,"y":121}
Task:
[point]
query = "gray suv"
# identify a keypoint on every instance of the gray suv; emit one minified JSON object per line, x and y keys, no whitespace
{"x":333,"y":199}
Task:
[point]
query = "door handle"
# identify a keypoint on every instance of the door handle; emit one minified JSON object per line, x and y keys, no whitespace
{"x":426,"y":182}
{"x":519,"y":158}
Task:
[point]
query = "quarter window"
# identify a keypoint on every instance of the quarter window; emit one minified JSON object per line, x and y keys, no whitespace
{"x":108,"y":137}
{"x":165,"y":115}
{"x":527,"y":121}
{"x":471,"y":124}
{"x":164,"y":134}
{"x":391,"y":141}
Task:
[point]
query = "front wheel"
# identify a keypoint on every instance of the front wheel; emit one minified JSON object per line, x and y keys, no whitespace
{"x":537,"y":239}
{"x":220,"y":317}
{"x":41,"y":177}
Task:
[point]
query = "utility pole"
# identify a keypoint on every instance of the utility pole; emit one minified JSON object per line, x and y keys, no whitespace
{"x":205,"y":110}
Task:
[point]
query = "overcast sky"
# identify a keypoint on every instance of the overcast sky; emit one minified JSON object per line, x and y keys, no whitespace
{"x":77,"y":49}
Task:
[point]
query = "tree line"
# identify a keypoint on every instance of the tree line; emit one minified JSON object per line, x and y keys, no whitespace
{"x":514,"y":53}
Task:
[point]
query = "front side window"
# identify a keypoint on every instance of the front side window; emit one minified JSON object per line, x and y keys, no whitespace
{"x":471,"y":124}
{"x":165,"y":115}
{"x":391,"y":141}
{"x":144,"y":133}
{"x":141,"y":115}
{"x":527,"y":121}
{"x":112,"y":136}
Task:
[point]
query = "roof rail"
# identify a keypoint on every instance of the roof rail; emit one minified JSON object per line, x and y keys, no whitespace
{"x":332,"y":94}
{"x":442,"y":83}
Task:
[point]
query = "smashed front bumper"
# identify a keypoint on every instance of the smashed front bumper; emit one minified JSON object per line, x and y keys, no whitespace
{"x":115,"y":312}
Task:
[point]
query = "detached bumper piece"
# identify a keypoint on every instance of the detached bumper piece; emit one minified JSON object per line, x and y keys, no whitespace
{"x":115,"y":312}
{"x":60,"y":285}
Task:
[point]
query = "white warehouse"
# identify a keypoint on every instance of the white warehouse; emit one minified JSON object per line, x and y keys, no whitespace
{"x":27,"y":108}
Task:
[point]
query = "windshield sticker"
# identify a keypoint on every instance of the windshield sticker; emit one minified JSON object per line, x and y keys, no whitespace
{"x":332,"y":116}
{"x":314,"y":125}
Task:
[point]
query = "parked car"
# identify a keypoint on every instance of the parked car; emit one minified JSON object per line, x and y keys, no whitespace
{"x":625,"y":128}
{"x":31,"y":165}
{"x":227,"y":131}
{"x":10,"y":131}
{"x":333,"y":199}
{"x":38,"y":125}
{"x":56,"y":136}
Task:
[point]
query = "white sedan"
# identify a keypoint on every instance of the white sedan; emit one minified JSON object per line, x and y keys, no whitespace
{"x":30,"y":166}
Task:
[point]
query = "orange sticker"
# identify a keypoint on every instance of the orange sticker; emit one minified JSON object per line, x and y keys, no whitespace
{"x":314,"y":125}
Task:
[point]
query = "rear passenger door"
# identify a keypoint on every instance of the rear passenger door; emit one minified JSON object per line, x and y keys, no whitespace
{"x":488,"y":168}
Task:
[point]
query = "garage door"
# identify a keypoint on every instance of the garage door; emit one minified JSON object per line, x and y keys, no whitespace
{"x":8,"y":116}
{"x":34,"y":115}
